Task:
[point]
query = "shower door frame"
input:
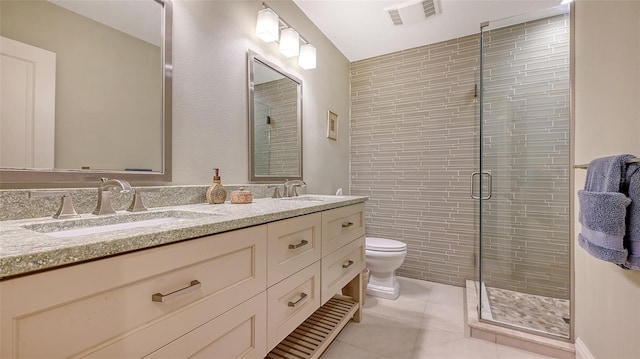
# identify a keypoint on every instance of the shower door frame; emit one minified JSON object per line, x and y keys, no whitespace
{"x":572,"y":190}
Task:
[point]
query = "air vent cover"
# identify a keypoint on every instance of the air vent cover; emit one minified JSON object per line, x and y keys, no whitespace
{"x":395,"y":17}
{"x":412,"y":11}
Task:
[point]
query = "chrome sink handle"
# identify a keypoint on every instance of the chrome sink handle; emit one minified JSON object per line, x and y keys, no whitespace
{"x":104,"y":194}
{"x":276,"y":191}
{"x":136,"y":204}
{"x":66,"y":209}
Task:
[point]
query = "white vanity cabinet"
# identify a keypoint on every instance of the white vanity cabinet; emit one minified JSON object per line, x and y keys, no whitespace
{"x":293,"y":244}
{"x":104,"y":308}
{"x":306,"y":332}
{"x":293,"y":274}
{"x":343,"y":248}
{"x":237,"y":294}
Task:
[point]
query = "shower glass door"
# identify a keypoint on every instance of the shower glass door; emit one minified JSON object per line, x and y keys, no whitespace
{"x":523,"y":190}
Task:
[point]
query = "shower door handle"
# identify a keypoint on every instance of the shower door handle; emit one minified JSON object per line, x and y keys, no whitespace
{"x":489,"y":187}
{"x":471,"y":185}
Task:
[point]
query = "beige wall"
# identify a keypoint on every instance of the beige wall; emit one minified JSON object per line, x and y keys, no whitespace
{"x":607,"y":122}
{"x":210,"y":124}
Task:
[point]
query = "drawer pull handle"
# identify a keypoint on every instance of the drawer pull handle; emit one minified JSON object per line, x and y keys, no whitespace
{"x":347,"y":225}
{"x":296,"y":246}
{"x":293,"y":304}
{"x":348,"y":264}
{"x":159,"y":297}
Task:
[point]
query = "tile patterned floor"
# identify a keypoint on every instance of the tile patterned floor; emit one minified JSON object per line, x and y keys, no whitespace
{"x":529,"y":311}
{"x":427,"y":321}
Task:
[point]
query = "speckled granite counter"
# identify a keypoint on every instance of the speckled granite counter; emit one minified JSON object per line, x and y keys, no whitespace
{"x":24,"y":250}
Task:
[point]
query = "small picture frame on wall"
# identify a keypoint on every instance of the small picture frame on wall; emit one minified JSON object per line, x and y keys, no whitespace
{"x":332,"y":126}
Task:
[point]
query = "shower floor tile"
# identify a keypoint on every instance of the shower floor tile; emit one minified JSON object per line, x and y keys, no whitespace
{"x":530,"y":311}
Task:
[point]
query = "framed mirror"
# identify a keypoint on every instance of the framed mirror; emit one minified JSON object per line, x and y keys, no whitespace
{"x":275,"y":122}
{"x":89,"y":83}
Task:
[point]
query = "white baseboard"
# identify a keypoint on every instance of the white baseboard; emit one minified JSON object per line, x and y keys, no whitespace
{"x":582,"y":352}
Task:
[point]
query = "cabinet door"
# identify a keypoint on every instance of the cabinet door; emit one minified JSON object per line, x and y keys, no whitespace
{"x":341,"y":266}
{"x":293,"y":244}
{"x":291,"y":302}
{"x":238,"y":333}
{"x":341,"y":226}
{"x":106,"y":306}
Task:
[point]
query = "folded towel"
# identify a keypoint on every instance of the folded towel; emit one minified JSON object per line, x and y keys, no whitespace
{"x":603,"y":209}
{"x":632,"y":239}
{"x":607,"y":174}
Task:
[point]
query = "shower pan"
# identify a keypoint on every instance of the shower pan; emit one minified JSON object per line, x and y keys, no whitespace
{"x":523,"y":186}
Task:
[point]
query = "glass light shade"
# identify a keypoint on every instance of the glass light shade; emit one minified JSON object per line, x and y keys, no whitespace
{"x":307,"y":59}
{"x":289,"y":43}
{"x":267,"y":25}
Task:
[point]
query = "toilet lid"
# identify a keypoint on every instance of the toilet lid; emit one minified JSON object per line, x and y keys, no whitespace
{"x":385,"y":245}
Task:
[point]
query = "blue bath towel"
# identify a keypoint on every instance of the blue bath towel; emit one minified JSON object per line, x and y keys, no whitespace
{"x":632,"y":239}
{"x":603,"y":209}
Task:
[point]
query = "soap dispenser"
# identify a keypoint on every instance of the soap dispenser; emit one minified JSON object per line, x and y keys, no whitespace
{"x":216,"y":193}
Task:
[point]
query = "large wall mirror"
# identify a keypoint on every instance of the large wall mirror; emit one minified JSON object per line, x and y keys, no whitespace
{"x":275,"y":122}
{"x":86,"y":90}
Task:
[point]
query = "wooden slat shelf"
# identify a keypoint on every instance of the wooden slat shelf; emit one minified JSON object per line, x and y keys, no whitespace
{"x":316,"y":333}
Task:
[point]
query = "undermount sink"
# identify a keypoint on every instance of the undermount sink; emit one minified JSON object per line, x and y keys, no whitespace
{"x":117,"y":222}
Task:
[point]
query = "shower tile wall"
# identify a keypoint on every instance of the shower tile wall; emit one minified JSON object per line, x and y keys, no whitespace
{"x":526,"y":145}
{"x":261,"y":138}
{"x":278,"y":100}
{"x":413,"y":146}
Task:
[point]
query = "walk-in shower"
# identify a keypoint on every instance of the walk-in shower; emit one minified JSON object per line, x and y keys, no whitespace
{"x":523,"y":184}
{"x":414,"y":143}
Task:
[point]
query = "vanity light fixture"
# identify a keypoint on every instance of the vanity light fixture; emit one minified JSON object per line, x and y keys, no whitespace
{"x":307,"y":59}
{"x":268,"y":25}
{"x":290,"y":43}
{"x":271,"y":27}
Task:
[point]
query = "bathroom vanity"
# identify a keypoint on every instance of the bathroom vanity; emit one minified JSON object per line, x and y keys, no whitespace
{"x":234,"y":281}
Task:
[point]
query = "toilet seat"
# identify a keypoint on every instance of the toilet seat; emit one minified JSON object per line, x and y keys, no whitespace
{"x":384,"y":245}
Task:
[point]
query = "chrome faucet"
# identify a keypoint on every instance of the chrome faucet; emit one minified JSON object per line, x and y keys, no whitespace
{"x":104,"y":194}
{"x":290,"y":187}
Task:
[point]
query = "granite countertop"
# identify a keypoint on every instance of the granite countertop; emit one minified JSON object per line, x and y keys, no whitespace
{"x":24,"y":250}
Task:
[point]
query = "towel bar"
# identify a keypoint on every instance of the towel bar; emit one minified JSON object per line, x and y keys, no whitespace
{"x":584,"y":166}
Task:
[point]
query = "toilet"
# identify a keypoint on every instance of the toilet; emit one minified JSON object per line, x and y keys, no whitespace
{"x":383,"y":257}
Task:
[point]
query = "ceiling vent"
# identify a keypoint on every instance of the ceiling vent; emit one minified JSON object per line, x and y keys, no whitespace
{"x":412,"y":11}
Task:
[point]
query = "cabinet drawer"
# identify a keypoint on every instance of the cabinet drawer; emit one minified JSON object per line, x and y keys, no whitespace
{"x":238,"y":333}
{"x":341,"y":266}
{"x":81,"y":309}
{"x":341,"y":226}
{"x":292,"y":245}
{"x":290,"y":302}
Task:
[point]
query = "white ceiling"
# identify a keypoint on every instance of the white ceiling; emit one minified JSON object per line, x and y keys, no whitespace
{"x":361,"y":29}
